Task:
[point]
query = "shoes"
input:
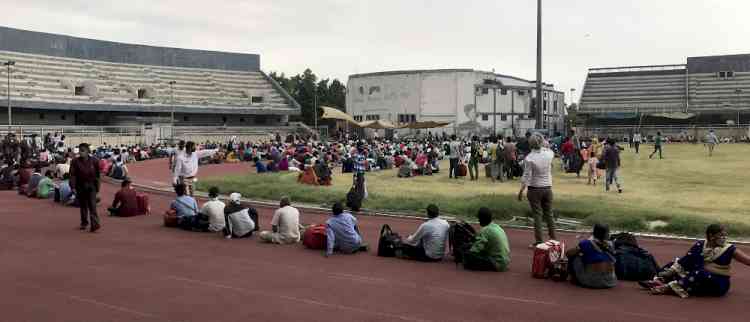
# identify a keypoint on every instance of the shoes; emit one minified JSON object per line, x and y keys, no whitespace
{"x":95,"y":228}
{"x":228,"y":236}
{"x":83,"y":227}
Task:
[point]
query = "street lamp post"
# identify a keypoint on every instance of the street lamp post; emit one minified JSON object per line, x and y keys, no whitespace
{"x":539,"y":88}
{"x":10,"y":117}
{"x":171,"y":98}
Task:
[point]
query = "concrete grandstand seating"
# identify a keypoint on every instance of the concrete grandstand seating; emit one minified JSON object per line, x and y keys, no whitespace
{"x":643,"y":91}
{"x":709,"y":92}
{"x":50,"y":78}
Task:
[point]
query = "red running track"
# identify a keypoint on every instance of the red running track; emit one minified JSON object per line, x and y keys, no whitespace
{"x":137,"y":270}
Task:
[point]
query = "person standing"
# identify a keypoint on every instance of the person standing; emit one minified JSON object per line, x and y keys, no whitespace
{"x":637,"y":141}
{"x":509,"y":149}
{"x":360,"y":166}
{"x":657,"y":146}
{"x":454,"y":155}
{"x":611,"y":157}
{"x":711,"y":142}
{"x":84,"y":179}
{"x":474,"y":155}
{"x":186,"y":165}
{"x":537,"y":177}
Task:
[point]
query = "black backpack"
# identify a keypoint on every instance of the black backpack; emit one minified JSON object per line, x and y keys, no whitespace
{"x":632,"y":263}
{"x":388,"y":242}
{"x":254,"y":217}
{"x":353,"y":199}
{"x":461,"y":236}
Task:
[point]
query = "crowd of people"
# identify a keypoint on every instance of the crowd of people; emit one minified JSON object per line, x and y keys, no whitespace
{"x":592,"y":263}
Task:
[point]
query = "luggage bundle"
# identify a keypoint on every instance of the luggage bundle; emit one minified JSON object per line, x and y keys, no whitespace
{"x":389,"y":242}
{"x":461,"y":236}
{"x":549,"y":261}
{"x":314,"y":237}
{"x":633,"y":263}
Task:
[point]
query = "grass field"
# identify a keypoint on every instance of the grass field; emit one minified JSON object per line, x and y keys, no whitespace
{"x":687,"y":190}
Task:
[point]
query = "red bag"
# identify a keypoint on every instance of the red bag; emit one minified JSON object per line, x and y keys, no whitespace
{"x":315,"y":237}
{"x":144,"y":208}
{"x":546,"y":256}
{"x":170,"y":218}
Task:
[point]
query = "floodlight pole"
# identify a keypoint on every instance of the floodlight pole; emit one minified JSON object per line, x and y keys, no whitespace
{"x":539,"y":89}
{"x":10,"y":115}
{"x":171,"y":98}
{"x":494,"y":112}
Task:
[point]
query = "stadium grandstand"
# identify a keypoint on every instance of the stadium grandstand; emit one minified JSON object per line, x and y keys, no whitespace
{"x":64,"y":83}
{"x":679,"y":100}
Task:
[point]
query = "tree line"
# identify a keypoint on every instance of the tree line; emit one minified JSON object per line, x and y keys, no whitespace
{"x":306,"y":87}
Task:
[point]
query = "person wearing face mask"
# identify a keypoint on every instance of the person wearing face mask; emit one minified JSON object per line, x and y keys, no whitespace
{"x":704,"y":271}
{"x":186,"y":165}
{"x":84,"y":179}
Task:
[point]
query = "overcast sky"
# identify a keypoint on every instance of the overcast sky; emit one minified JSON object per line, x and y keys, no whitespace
{"x":336,"y":38}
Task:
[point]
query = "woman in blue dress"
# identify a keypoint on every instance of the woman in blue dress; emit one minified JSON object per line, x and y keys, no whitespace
{"x":704,"y":271}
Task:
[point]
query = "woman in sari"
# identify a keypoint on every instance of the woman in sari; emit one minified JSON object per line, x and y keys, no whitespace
{"x":704,"y":271}
{"x":592,"y":263}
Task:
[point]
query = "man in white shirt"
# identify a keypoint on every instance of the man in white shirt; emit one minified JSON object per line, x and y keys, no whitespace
{"x":186,"y":165}
{"x":427,"y":244}
{"x":637,"y":141}
{"x":214,"y":210}
{"x":454,"y":156}
{"x":285,"y":225}
{"x":537,"y":177}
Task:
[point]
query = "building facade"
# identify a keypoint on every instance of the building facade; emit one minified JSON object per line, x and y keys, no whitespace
{"x":474,"y":102}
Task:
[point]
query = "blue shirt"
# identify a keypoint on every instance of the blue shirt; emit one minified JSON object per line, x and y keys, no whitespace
{"x":260,"y":167}
{"x":359,"y":162}
{"x":341,"y":235}
{"x":65,"y":192}
{"x":185,"y":206}
{"x":591,"y":255}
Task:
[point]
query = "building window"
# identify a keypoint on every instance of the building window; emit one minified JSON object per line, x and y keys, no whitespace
{"x":503,"y":91}
{"x":358,"y":118}
{"x":78,"y":91}
{"x":256,"y":99}
{"x":223,"y":119}
{"x":361,"y":90}
{"x":372,"y":117}
{"x":554,"y":107}
{"x":521,"y":93}
{"x":260,"y":119}
{"x":185,"y":118}
{"x":374,"y":89}
{"x":242,"y":120}
{"x":485,"y":117}
{"x":485,"y":90}
{"x":503,"y":117}
{"x":41,"y":116}
{"x":726,"y":75}
{"x":407,"y":118}
{"x":141,"y":93}
{"x":63,"y":117}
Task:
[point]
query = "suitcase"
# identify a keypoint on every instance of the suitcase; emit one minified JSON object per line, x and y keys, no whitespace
{"x":548,"y":256}
{"x":462,"y":169}
{"x":315,"y":237}
{"x":388,"y":242}
{"x":144,"y":207}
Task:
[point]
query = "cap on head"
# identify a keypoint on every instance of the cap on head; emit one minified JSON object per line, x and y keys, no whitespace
{"x":235,"y":197}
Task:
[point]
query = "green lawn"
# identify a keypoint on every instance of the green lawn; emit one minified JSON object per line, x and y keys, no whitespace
{"x":687,"y":190}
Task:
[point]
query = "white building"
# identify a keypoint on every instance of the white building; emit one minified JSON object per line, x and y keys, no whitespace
{"x":463,"y":97}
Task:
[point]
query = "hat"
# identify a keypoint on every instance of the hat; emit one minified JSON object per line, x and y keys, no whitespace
{"x":235,"y":197}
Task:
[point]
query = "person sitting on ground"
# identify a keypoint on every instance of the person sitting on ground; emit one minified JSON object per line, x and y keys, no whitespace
{"x":36,"y":176}
{"x":232,"y":157}
{"x":284,"y":225}
{"x":105,"y":164}
{"x":119,"y":171}
{"x":66,"y":192}
{"x":308,"y":176}
{"x":24,"y":176}
{"x":214,"y":210}
{"x":323,"y":172}
{"x":185,"y":207}
{"x":260,"y":167}
{"x":7,"y":176}
{"x":428,"y":242}
{"x":704,"y":271}
{"x":284,"y":164}
{"x":63,"y":167}
{"x":46,"y":186}
{"x":592,"y":263}
{"x":272,"y":166}
{"x":125,"y":203}
{"x":491,"y":250}
{"x":342,"y":233}
{"x":239,"y":222}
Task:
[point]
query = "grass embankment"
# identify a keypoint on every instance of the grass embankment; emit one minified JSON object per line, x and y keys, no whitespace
{"x":687,"y":190}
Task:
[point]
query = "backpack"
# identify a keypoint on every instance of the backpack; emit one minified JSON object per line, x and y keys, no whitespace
{"x":353,"y":199}
{"x":315,"y":237}
{"x":461,"y":236}
{"x":254,"y":217}
{"x":549,"y":261}
{"x":632,"y":263}
{"x":388,"y":242}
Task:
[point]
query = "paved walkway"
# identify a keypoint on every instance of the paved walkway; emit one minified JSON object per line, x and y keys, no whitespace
{"x":137,"y":270}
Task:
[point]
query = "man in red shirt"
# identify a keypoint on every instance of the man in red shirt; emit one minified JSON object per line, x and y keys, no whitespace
{"x":84,"y":179}
{"x":126,"y":202}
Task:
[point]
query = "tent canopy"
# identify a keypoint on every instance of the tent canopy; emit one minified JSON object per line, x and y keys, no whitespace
{"x":426,"y":125}
{"x":332,"y":113}
{"x":377,"y":124}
